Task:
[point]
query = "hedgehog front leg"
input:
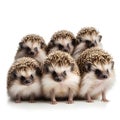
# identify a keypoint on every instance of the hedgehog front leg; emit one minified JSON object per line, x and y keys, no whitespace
{"x":70,"y":96}
{"x":89,"y":99}
{"x":18,"y":99}
{"x":53,"y":100}
{"x":32,"y":98}
{"x":104,"y":99}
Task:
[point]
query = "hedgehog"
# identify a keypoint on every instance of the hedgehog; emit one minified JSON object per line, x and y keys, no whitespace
{"x":32,"y":46}
{"x":86,"y":38}
{"x":62,"y":40}
{"x":97,"y":74}
{"x":24,"y":80}
{"x":61,"y":78}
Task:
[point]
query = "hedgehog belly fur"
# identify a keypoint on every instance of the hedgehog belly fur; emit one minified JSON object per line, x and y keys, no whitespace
{"x":94,"y":87}
{"x":61,"y":88}
{"x":25,"y":91}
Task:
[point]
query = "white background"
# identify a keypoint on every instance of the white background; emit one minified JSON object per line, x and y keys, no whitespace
{"x":44,"y":17}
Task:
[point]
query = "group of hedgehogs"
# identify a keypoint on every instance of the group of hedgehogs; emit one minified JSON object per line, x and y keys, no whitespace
{"x":68,"y":67}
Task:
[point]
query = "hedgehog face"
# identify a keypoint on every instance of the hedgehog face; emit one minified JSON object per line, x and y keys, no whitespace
{"x":63,"y":44}
{"x":85,"y":42}
{"x":32,"y":49}
{"x":100,"y":72}
{"x":58,"y":73}
{"x":25,"y":77}
{"x":89,"y":41}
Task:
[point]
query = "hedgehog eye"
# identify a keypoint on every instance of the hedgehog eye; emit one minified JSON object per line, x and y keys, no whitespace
{"x":54,"y":74}
{"x":98,"y":72}
{"x":31,"y":77}
{"x":60,"y":46}
{"x":87,"y":42}
{"x":22,"y":78}
{"x":36,"y":49}
{"x":27,"y":49}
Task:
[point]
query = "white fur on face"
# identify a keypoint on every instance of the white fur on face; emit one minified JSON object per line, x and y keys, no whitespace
{"x":93,"y":38}
{"x":82,"y":46}
{"x":31,"y":45}
{"x":61,"y":88}
{"x":41,"y":56}
{"x":90,"y":84}
{"x":23,"y":90}
{"x":65,"y":42}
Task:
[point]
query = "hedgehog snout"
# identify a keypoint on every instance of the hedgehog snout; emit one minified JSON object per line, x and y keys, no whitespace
{"x":32,"y":53}
{"x":27,"y":82}
{"x":101,"y":75}
{"x":66,"y":50}
{"x":89,"y":44}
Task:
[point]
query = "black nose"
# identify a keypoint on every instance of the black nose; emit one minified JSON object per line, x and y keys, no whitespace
{"x":32,"y":53}
{"x":104,"y":76}
{"x":65,"y":50}
{"x":92,"y":45}
{"x":57,"y":79}
{"x":27,"y":81}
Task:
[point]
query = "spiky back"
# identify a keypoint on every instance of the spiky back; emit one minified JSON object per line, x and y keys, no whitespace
{"x":33,"y":38}
{"x":62,"y":34}
{"x":59,"y":58}
{"x":93,"y":56}
{"x":87,"y":31}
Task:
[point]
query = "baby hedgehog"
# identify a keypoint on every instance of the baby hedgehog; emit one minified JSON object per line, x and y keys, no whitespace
{"x":23,"y":81}
{"x":97,"y":73}
{"x":61,"y":78}
{"x":32,"y":46}
{"x":62,"y":40}
{"x":86,"y":38}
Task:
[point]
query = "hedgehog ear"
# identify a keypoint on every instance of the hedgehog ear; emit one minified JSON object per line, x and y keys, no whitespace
{"x":79,"y":40}
{"x":52,"y":42}
{"x":72,"y":66}
{"x":13,"y":75}
{"x":112,"y":65}
{"x":88,"y":67}
{"x":74,"y":42}
{"x":100,"y":38}
{"x":46,"y":67}
{"x":42,"y":45}
{"x":21,"y":45}
{"x":38,"y":71}
{"x":50,"y":45}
